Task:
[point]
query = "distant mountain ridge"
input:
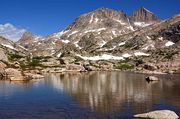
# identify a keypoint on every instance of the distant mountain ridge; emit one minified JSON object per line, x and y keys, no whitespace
{"x":103,"y":24}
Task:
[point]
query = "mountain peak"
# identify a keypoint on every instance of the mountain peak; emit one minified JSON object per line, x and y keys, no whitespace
{"x":144,"y":9}
{"x":144,"y":15}
{"x":107,"y":10}
{"x":26,"y":37}
{"x":99,"y":18}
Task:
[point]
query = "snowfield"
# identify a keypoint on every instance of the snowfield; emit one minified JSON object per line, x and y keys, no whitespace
{"x":141,"y":54}
{"x":65,"y":41}
{"x":9,"y":46}
{"x":102,"y":57}
{"x":111,"y":57}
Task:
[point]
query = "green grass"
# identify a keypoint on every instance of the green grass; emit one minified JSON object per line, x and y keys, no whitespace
{"x":124,"y":66}
{"x":128,"y":45}
{"x":169,"y":55}
{"x":14,"y":57}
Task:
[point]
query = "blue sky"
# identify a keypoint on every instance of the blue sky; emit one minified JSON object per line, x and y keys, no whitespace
{"x":43,"y":17}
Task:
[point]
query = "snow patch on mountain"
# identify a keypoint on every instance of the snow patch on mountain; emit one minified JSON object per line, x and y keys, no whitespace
{"x":122,"y":23}
{"x":53,"y":43}
{"x":148,"y":37}
{"x":141,"y":54}
{"x":23,"y":47}
{"x":102,"y":57}
{"x":58,"y":35}
{"x":91,"y":20}
{"x":76,"y":44}
{"x":96,"y":20}
{"x":126,"y":55}
{"x":131,"y":28}
{"x":9,"y":46}
{"x":148,"y":46}
{"x":102,"y":43}
{"x":122,"y":43}
{"x":95,"y":30}
{"x":160,"y":38}
{"x":114,"y":33}
{"x":169,"y":43}
{"x":147,"y":10}
{"x":141,"y":24}
{"x":65,"y":41}
{"x":74,"y":32}
{"x":59,"y":55}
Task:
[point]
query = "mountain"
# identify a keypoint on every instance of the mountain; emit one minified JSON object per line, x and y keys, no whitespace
{"x":99,"y":26}
{"x":109,"y":39}
{"x":11,"y":47}
{"x":158,"y":43}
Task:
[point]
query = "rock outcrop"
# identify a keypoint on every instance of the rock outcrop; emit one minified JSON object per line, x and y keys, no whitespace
{"x":151,"y":78}
{"x":160,"y":114}
{"x":144,"y":15}
{"x":3,"y":56}
{"x":74,"y":67}
{"x":14,"y":74}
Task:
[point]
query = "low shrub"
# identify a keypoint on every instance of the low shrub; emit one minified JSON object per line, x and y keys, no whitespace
{"x":124,"y":66}
{"x":14,"y":57}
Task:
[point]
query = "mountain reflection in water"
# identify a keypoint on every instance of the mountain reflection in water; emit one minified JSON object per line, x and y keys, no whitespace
{"x":113,"y":91}
{"x":92,"y":95}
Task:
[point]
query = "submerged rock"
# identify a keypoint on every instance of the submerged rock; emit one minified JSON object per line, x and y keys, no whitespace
{"x":151,"y":78}
{"x":159,"y":114}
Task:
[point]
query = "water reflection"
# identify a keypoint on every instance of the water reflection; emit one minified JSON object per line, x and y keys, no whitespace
{"x":88,"y":95}
{"x":114,"y":91}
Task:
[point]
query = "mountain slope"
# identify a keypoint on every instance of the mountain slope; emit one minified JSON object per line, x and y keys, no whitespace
{"x":108,"y":39}
{"x":103,"y":24}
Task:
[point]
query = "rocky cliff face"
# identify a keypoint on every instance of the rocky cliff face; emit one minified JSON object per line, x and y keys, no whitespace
{"x":143,"y":15}
{"x":142,"y":18}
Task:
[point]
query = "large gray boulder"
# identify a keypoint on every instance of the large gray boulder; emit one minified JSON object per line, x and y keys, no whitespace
{"x":159,"y":114}
{"x":151,"y":78}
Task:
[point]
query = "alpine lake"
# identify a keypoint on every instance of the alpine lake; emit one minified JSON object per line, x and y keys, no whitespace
{"x":89,"y":95}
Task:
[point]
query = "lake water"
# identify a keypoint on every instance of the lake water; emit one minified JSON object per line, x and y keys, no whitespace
{"x":92,"y":95}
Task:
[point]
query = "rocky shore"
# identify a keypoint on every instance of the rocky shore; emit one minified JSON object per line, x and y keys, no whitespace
{"x":20,"y":69}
